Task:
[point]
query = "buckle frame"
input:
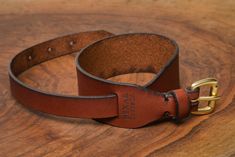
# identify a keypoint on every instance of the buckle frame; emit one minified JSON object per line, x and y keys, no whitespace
{"x":213,"y":96}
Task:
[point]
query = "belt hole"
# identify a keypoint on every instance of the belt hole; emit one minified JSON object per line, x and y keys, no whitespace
{"x":49,"y":49}
{"x":30,"y":58}
{"x":71,"y":43}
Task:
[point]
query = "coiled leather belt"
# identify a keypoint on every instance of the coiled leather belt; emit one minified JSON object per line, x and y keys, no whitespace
{"x":103,"y":55}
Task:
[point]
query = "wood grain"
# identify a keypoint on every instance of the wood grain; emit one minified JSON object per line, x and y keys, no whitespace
{"x":205,"y":32}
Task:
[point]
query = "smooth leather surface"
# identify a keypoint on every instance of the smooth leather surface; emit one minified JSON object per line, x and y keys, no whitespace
{"x":103,"y":55}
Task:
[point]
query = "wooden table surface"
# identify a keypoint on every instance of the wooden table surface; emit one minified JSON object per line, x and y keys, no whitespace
{"x":205,"y":32}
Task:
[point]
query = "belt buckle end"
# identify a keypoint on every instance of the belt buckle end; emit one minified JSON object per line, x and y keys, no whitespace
{"x":211,"y":99}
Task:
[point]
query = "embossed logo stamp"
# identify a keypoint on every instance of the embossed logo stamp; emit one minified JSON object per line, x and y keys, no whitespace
{"x":127,"y":110}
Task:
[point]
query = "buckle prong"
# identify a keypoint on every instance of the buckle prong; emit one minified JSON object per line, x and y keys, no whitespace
{"x":213,"y":96}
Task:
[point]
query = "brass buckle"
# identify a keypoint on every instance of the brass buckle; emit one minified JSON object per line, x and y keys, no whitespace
{"x":213,"y":83}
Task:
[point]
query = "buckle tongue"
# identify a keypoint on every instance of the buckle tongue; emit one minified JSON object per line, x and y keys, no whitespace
{"x":213,"y":83}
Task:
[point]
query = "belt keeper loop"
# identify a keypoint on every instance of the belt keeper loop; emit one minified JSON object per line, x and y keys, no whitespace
{"x":180,"y":112}
{"x":176,"y":117}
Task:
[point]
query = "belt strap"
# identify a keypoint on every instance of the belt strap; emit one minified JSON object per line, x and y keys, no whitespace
{"x":103,"y":55}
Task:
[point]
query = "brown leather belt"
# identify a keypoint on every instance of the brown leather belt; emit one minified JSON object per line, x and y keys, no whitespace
{"x":104,"y":55}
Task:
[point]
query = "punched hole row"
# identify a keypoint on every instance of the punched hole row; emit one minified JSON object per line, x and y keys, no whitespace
{"x":49,"y":49}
